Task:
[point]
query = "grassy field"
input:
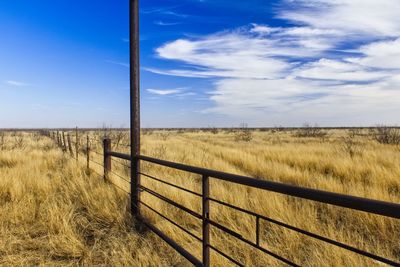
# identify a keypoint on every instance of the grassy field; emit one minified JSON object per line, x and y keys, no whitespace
{"x":52,"y":212}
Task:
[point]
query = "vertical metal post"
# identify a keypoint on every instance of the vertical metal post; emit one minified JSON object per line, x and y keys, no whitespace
{"x":258,"y":230}
{"x":107,"y":158}
{"x":76,"y":144}
{"x":87,"y":153}
{"x":205,"y":218}
{"x":134,"y":105}
{"x":58,"y":138}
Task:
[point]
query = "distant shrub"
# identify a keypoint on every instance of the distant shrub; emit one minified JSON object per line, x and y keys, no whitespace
{"x":117,"y":136}
{"x":164,"y":135}
{"x":355,"y":131}
{"x":243,"y":133}
{"x":19,"y":142}
{"x":350,"y":145}
{"x":147,"y":131}
{"x":214,"y":130}
{"x":308,"y":130}
{"x":387,"y":135}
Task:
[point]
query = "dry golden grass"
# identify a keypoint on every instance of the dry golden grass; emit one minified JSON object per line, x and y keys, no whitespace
{"x":53,"y":214}
{"x":58,"y":189}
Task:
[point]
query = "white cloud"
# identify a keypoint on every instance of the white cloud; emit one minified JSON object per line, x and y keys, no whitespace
{"x":385,"y":54}
{"x":17,"y":83}
{"x":165,"y":91}
{"x":342,"y":57}
{"x":351,"y":17}
{"x":327,"y":69}
{"x":162,"y":23}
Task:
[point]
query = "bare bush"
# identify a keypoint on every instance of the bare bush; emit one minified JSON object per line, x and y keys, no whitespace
{"x":350,"y":145}
{"x":19,"y":142}
{"x":36,"y":136}
{"x":243,"y":133}
{"x":355,"y":132}
{"x":278,"y":129}
{"x":164,"y":135}
{"x":116,"y":135}
{"x":386,"y":135}
{"x":214,"y":130}
{"x":308,"y":130}
{"x":147,"y":131}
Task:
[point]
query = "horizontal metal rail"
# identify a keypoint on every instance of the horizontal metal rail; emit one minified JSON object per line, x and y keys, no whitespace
{"x":226,"y":256}
{"x":173,"y":185}
{"x":173,"y":244}
{"x":238,"y":236}
{"x":119,"y":155}
{"x":173,"y":203}
{"x":170,"y":220}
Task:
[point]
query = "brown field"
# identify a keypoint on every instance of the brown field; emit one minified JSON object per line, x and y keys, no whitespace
{"x":53,"y":212}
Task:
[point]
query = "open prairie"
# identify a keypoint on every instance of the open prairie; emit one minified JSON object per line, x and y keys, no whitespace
{"x":53,"y":211}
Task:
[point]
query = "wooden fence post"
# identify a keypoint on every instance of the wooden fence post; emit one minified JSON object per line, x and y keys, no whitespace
{"x":64,"y":147}
{"x":87,"y":153}
{"x":107,"y":158}
{"x":58,"y":139}
{"x":70,"y":145}
{"x":76,"y":144}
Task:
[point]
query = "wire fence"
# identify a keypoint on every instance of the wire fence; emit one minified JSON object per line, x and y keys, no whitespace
{"x":387,"y":209}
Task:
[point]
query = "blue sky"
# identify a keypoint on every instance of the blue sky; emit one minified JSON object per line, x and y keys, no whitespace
{"x":204,"y":63}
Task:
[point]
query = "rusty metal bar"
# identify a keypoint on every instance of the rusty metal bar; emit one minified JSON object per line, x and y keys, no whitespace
{"x":226,"y":256}
{"x":171,"y":221}
{"x":173,"y":203}
{"x":170,"y":184}
{"x":134,"y":105}
{"x":107,"y":158}
{"x":173,"y":244}
{"x":119,"y":155}
{"x":229,"y":231}
{"x":205,"y":220}
{"x":258,"y":230}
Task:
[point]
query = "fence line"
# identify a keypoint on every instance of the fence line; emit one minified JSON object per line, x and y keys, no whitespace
{"x":377,"y":207}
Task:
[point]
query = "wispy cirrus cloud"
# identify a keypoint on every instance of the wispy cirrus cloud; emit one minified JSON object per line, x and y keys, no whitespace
{"x":123,"y":64}
{"x":17,"y":83}
{"x":166,"y":11}
{"x":340,"y":56}
{"x":164,"y":92}
{"x":163,"y":23}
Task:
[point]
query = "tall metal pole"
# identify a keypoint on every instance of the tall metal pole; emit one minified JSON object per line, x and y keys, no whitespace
{"x":135,"y":105}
